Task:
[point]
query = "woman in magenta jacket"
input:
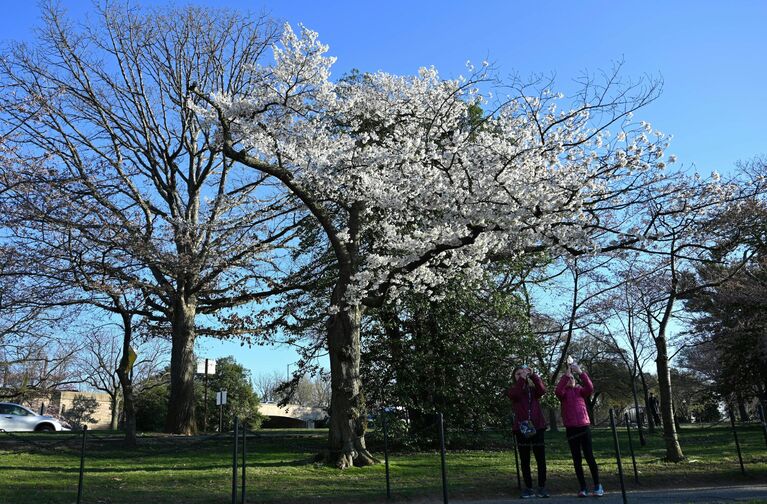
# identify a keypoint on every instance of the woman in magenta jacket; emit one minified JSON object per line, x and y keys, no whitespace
{"x":525,"y":396}
{"x":575,"y":417}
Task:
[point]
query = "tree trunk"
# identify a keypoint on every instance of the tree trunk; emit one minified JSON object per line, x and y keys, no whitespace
{"x":348,"y":415}
{"x":129,"y":407}
{"x":553,"y":420}
{"x":744,"y":417}
{"x":637,"y":413}
{"x":673,"y":449}
{"x":648,"y":413}
{"x":115,"y":404}
{"x":126,"y":383}
{"x":181,"y":410}
{"x":590,"y":404}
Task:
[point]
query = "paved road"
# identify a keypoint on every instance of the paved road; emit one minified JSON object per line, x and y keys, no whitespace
{"x":752,"y":493}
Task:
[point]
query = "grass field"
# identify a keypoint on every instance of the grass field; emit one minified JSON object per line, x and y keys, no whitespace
{"x":43,"y":468}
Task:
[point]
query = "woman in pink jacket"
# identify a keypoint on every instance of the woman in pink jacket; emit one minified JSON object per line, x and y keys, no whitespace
{"x":529,"y":426}
{"x":575,"y":417}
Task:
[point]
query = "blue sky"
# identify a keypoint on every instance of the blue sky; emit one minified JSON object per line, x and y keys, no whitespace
{"x":712,"y":56}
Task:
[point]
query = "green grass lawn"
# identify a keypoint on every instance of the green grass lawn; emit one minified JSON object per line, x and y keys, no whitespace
{"x":281,"y":467}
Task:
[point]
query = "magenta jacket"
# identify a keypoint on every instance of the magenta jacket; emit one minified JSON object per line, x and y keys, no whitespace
{"x":518,"y":393}
{"x":574,"y":410}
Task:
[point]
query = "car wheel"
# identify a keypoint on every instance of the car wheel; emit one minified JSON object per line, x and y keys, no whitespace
{"x":45,"y":428}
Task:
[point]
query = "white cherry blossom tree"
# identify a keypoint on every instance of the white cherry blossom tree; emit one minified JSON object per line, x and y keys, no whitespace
{"x":415,"y":179}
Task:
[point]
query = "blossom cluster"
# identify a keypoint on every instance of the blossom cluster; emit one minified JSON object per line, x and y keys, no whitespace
{"x":443,"y":176}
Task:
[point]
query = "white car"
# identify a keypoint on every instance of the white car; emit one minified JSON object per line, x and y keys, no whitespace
{"x":17,"y":418}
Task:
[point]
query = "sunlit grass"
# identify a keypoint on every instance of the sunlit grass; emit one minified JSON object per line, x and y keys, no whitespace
{"x":282,"y":467}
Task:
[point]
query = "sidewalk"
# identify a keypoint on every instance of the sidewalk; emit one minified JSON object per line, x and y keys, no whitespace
{"x":710,"y":495}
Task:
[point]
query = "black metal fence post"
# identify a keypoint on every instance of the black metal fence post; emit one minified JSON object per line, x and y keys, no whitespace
{"x":82,"y":466}
{"x":442,"y":452}
{"x":737,"y":443}
{"x":386,"y":452}
{"x":516,"y":458}
{"x":618,"y":455}
{"x":244,"y":461}
{"x":631,"y":448}
{"x":234,"y":461}
{"x":760,"y":408}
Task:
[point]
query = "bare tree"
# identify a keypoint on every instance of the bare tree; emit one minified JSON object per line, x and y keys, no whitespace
{"x":581,"y":283}
{"x":34,"y":358}
{"x":31,"y":368}
{"x":605,"y":370}
{"x":267,"y":385}
{"x":684,"y":240}
{"x":98,"y":365}
{"x":308,"y":390}
{"x":313,"y":391}
{"x":100,"y":361}
{"x":117,"y":164}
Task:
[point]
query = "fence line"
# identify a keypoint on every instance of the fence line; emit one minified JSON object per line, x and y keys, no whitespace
{"x":433,"y":427}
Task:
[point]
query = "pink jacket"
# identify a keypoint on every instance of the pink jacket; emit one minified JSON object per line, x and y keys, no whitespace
{"x":573,"y":399}
{"x":522,"y":409}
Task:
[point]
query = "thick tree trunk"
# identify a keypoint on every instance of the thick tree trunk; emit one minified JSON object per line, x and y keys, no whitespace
{"x":181,"y":410}
{"x":348,"y":420}
{"x":670,"y":437}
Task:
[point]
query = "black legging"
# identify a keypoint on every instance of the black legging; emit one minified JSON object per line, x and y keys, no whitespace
{"x":539,"y":449}
{"x":579,"y":438}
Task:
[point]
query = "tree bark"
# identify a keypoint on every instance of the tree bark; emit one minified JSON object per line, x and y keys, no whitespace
{"x":126,"y":383}
{"x":129,"y":407}
{"x":590,"y":404}
{"x":744,"y":417}
{"x":181,"y":408}
{"x":670,"y":437}
{"x":115,"y":404}
{"x":553,"y":420}
{"x":648,"y":413}
{"x":642,"y":441}
{"x":348,"y":415}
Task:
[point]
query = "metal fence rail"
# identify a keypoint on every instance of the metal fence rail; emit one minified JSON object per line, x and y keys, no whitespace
{"x":435,"y":432}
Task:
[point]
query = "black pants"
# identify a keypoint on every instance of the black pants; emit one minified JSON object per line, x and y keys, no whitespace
{"x":656,"y":418}
{"x":579,"y":439}
{"x":536,"y":444}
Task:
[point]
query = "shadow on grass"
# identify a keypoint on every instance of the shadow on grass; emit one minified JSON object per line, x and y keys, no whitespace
{"x":96,"y":470}
{"x":155,"y":468}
